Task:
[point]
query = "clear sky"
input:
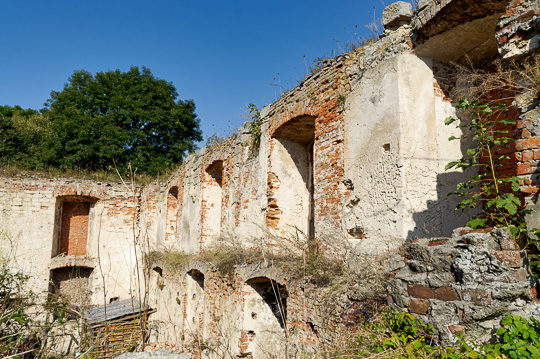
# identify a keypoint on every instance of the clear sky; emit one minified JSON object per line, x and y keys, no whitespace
{"x":221,"y":54}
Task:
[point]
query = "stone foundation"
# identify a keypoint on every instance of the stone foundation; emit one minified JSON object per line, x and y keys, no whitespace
{"x":464,"y":283}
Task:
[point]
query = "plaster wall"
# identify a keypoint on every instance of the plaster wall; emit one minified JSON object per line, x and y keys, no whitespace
{"x":30,"y":223}
{"x":372,"y":131}
{"x":290,"y":163}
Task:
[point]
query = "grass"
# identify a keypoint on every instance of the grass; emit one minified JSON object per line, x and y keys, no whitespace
{"x":10,"y":169}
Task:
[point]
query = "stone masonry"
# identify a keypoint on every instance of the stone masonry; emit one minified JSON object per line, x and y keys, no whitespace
{"x":464,"y":283}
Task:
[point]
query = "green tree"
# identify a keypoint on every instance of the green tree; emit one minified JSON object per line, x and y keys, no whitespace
{"x":115,"y":118}
{"x":22,"y":131}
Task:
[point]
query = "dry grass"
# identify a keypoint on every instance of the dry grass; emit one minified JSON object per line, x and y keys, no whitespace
{"x":516,"y":77}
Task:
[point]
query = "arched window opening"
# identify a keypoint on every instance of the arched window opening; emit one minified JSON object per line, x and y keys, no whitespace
{"x":172,"y":213}
{"x":292,"y":164}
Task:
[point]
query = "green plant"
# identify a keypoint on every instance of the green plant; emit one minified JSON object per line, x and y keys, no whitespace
{"x":254,"y":116}
{"x":495,"y":194}
{"x":518,"y":338}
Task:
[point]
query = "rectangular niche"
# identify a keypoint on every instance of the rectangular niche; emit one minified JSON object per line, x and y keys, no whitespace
{"x":72,"y":223}
{"x":72,"y":283}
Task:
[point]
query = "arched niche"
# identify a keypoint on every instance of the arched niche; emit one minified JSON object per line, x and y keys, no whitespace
{"x":195,"y":303}
{"x":265,"y":318}
{"x":291,"y":162}
{"x":212,"y":201}
{"x":172,"y":213}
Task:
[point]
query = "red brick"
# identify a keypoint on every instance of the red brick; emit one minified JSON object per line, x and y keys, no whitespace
{"x":527,"y":156}
{"x":527,"y":143}
{"x":524,"y":168}
{"x":512,"y":258}
{"x":535,"y":291}
{"x":509,"y":244}
{"x":425,"y":292}
{"x":437,"y":242}
{"x":446,"y":293}
{"x":420,"y":291}
{"x":481,"y":230}
{"x":529,"y":190}
{"x":454,"y":329}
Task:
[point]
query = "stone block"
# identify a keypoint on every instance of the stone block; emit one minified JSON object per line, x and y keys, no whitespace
{"x":395,"y":13}
{"x":422,"y":4}
{"x":419,"y":306}
{"x":422,"y":291}
{"x":478,"y":297}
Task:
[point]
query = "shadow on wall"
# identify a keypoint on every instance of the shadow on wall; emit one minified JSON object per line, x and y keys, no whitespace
{"x":441,"y":216}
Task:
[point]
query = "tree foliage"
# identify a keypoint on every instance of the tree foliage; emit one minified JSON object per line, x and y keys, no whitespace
{"x":22,"y":133}
{"x":115,"y":118}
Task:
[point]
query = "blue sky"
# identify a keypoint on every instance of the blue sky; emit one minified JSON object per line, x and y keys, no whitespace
{"x":221,"y":54}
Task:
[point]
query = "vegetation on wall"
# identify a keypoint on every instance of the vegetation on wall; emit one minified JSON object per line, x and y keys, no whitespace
{"x":401,"y":335}
{"x":492,"y":193}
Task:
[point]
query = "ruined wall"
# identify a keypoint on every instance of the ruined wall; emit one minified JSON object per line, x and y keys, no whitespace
{"x":255,"y":311}
{"x":343,"y":158}
{"x":353,"y":157}
{"x":65,"y":234}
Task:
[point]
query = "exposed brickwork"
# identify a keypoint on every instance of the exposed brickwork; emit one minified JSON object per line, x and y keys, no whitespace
{"x":74,"y":228}
{"x":517,"y":29}
{"x":444,"y":80}
{"x":314,"y":316}
{"x":320,"y":96}
{"x":272,"y":212}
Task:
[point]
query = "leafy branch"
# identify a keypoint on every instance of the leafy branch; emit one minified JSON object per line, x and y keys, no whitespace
{"x":494,"y":193}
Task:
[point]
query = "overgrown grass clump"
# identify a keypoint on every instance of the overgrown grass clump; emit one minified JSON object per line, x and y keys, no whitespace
{"x":318,"y":268}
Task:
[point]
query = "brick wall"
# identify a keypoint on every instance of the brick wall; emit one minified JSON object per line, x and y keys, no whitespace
{"x":74,"y":228}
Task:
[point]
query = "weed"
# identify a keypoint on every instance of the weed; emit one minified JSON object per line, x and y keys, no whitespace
{"x":500,"y":207}
{"x":516,"y":77}
{"x":254,"y":117}
{"x":401,"y":335}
